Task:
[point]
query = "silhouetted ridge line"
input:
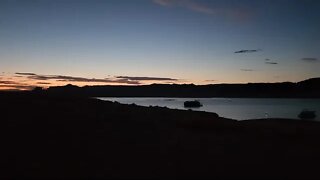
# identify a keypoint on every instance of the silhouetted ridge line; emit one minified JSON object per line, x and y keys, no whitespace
{"x":305,"y":89}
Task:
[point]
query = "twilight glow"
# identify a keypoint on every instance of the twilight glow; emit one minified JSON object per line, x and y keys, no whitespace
{"x":94,"y":42}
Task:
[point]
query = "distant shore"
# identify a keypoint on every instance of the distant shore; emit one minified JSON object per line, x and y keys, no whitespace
{"x":77,"y":137}
{"x":309,"y":88}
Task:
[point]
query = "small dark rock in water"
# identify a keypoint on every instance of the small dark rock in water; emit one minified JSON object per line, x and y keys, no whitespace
{"x":306,"y":114}
{"x":192,"y":104}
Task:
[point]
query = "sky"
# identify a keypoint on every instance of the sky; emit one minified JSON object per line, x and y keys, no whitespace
{"x":110,"y":42}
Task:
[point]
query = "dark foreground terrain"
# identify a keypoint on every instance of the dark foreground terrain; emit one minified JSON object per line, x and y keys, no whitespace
{"x":63,"y":137}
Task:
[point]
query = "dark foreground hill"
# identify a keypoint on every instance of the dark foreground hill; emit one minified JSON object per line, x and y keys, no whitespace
{"x":45,"y":137}
{"x":305,"y":89}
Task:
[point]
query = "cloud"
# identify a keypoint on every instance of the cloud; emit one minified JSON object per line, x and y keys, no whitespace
{"x":25,"y":74}
{"x":43,"y":83}
{"x":64,"y":78}
{"x":133,"y":78}
{"x":16,"y":87}
{"x":309,"y":59}
{"x":164,"y":2}
{"x":248,"y":51}
{"x":271,"y":62}
{"x":210,"y":81}
{"x":195,"y":6}
{"x":34,"y":76}
{"x":125,"y":81}
{"x":247,"y":70}
{"x":187,"y":4}
{"x":80,"y":79}
{"x":13,"y":85}
{"x":268,"y":61}
{"x":7,"y":82}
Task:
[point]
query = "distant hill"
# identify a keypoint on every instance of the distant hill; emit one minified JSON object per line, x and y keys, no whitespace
{"x":309,"y":88}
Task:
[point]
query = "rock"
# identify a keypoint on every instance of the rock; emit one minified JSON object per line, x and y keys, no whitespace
{"x":194,"y":103}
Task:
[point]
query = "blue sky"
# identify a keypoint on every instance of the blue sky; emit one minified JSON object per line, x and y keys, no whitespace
{"x":182,"y":41}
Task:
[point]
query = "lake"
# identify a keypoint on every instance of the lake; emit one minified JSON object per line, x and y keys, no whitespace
{"x":235,"y":108}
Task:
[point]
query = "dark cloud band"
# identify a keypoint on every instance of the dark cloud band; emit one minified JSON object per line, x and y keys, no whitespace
{"x":247,"y":51}
{"x":133,"y":78}
{"x":271,"y":63}
{"x":309,"y":59}
{"x":25,"y":74}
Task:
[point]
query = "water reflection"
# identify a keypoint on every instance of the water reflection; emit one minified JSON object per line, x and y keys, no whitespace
{"x":235,"y":108}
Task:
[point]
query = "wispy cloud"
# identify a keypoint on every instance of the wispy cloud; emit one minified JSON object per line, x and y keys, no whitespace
{"x":247,"y":70}
{"x":43,"y":83}
{"x":210,"y":80}
{"x":14,"y":85}
{"x":65,"y":78}
{"x":271,"y":63}
{"x":7,"y":82}
{"x":200,"y":7}
{"x":188,"y":4}
{"x":80,"y":79}
{"x":134,"y":78}
{"x":34,"y":76}
{"x":164,"y":2}
{"x":309,"y":59}
{"x":248,"y":51}
{"x":93,"y":80}
{"x":268,"y":61}
{"x":25,"y":74}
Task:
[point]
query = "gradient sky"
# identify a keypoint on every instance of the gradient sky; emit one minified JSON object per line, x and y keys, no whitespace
{"x":157,"y":41}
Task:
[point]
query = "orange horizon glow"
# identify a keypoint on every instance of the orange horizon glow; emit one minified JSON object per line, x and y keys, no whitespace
{"x":21,"y":83}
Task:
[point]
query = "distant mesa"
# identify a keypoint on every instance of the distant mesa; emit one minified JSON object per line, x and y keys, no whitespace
{"x":192,"y":104}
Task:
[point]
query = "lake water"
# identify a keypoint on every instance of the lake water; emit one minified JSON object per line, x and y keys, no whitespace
{"x":235,"y":108}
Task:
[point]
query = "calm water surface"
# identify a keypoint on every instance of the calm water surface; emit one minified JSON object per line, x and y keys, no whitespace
{"x":235,"y":108}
